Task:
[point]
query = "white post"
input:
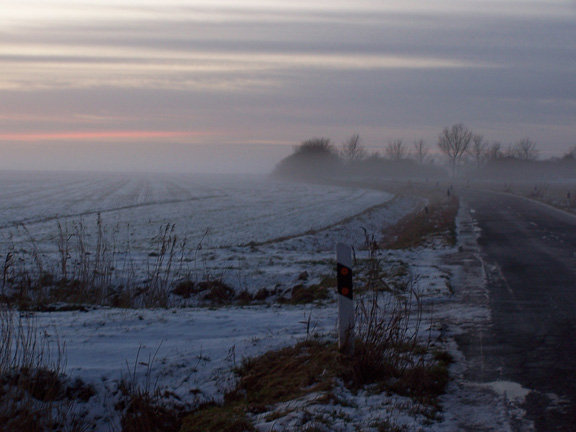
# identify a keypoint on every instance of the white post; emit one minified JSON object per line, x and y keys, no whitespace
{"x":345,"y":299}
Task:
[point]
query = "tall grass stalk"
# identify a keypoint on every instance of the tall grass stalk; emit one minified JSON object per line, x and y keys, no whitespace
{"x":89,"y":268}
{"x":63,"y":249}
{"x":387,"y":334}
{"x":145,"y":406}
{"x":31,"y":377}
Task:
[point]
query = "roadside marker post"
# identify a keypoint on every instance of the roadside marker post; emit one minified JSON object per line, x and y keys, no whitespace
{"x":345,"y":299}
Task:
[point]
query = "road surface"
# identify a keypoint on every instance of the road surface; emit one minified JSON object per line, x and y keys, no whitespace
{"x":529,"y":252}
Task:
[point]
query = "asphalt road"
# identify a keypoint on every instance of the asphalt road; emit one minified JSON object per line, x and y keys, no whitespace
{"x":529,"y":251}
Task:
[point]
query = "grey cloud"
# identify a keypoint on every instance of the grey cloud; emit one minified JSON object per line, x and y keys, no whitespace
{"x":524,"y":76}
{"x":501,"y":41}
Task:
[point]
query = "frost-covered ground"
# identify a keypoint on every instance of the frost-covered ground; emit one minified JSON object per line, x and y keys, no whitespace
{"x":254,"y":233}
{"x":247,"y":230}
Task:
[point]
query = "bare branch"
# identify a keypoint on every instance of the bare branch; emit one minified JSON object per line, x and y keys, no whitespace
{"x":454,"y":143}
{"x":420,"y":151}
{"x":353,"y":150}
{"x":478,"y":149}
{"x":396,"y":150}
{"x":526,"y":149}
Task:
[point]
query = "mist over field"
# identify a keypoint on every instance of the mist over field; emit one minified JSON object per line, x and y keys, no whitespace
{"x":134,"y":85}
{"x":142,"y":157}
{"x":176,"y":175}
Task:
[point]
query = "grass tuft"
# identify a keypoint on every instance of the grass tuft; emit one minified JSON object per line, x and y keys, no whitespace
{"x":302,"y":294}
{"x":144,"y":407}
{"x":145,"y":412}
{"x":287,"y":374}
{"x":217,"y":419}
{"x":35,"y":394}
{"x":219,"y":293}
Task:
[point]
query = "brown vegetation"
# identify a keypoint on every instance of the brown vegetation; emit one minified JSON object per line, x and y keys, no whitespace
{"x":389,"y":357}
{"x":435,"y":221}
{"x":35,"y":393}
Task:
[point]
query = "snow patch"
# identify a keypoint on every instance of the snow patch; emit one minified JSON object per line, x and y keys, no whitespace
{"x":510,"y":390}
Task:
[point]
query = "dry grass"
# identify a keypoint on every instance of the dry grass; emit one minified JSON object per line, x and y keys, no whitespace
{"x":390,"y":353}
{"x":218,"y":419}
{"x":287,"y":374}
{"x":35,"y":394}
{"x":436,"y":221}
{"x":145,"y":406}
{"x":91,"y":269}
{"x":390,"y":356}
{"x":303,"y":294}
{"x":145,"y":411}
{"x":283,"y":375}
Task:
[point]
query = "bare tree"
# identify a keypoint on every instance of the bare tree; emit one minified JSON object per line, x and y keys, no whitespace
{"x":353,"y":150}
{"x":494,"y":151}
{"x":396,"y":150}
{"x":478,"y":149}
{"x":420,"y":151}
{"x":454,"y":143}
{"x":526,"y":149}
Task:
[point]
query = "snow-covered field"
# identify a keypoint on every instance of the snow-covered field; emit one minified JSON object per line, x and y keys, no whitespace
{"x":253,"y":232}
{"x":235,"y":209}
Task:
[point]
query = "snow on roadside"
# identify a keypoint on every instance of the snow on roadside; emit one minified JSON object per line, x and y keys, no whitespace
{"x":470,"y":405}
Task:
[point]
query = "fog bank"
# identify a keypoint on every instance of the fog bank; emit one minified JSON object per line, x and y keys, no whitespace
{"x":143,"y":157}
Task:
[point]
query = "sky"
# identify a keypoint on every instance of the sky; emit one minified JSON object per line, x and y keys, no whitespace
{"x":232,"y":86}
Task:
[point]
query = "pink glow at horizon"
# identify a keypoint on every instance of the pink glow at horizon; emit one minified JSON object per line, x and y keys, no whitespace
{"x":98,"y":135}
{"x":239,"y":78}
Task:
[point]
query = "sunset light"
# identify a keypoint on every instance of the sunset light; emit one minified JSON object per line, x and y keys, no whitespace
{"x":280,"y":71}
{"x":100,"y":135}
{"x":287,"y":215}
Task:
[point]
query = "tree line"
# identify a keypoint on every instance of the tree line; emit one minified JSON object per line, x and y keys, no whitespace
{"x":319,"y":157}
{"x":464,"y":151}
